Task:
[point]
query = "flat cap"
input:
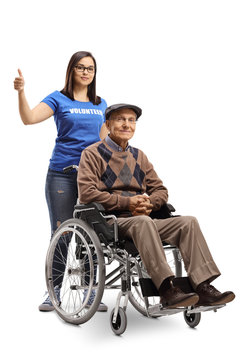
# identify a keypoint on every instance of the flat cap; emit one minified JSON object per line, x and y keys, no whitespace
{"x":115,"y":107}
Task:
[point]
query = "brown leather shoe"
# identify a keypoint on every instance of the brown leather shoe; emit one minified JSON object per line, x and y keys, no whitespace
{"x":209,"y":295}
{"x":175,"y":297}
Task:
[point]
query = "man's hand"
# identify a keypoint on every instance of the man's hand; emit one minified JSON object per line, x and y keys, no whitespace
{"x":140,"y":205}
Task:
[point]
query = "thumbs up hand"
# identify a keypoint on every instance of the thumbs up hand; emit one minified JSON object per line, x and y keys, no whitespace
{"x":19,"y":81}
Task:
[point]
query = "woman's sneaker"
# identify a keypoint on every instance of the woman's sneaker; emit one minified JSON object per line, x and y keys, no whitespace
{"x":47,"y":304}
{"x":101,"y":307}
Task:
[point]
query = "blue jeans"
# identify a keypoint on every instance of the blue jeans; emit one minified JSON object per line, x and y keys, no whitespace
{"x":61,"y":195}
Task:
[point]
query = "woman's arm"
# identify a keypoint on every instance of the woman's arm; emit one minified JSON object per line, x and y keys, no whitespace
{"x":30,"y":116}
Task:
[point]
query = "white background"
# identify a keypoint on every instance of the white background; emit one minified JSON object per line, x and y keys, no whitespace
{"x":179,"y":61}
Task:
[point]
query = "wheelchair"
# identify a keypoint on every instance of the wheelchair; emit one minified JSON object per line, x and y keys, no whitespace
{"x":80,"y":251}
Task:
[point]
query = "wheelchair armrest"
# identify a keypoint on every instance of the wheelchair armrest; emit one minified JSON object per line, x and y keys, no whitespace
{"x":164,"y":212}
{"x":99,"y":207}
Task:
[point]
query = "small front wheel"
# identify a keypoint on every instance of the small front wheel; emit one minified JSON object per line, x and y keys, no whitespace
{"x":120,"y":325}
{"x":192,"y":319}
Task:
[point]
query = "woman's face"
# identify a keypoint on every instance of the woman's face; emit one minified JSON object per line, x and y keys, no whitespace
{"x":84,"y":71}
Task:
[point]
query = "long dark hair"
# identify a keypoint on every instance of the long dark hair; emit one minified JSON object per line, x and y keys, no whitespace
{"x":68,"y":88}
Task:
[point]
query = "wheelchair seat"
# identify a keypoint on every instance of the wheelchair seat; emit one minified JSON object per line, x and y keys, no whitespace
{"x":94,"y":214}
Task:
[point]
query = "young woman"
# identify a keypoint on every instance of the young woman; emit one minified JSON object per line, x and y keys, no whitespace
{"x":79,"y":117}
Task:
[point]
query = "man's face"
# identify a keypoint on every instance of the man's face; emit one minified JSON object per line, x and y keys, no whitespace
{"x":121,"y":125}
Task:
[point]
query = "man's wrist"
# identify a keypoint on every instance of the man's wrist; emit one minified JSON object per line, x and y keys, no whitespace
{"x":124,"y":202}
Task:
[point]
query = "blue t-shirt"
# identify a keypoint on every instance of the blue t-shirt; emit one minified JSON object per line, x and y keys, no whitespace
{"x":78,"y":126}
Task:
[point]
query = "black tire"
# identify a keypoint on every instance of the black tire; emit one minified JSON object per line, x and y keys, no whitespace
{"x":121,"y":322}
{"x":192,"y":319}
{"x":75,"y":258}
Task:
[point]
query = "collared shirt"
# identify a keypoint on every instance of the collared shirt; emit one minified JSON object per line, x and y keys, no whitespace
{"x":115,"y":146}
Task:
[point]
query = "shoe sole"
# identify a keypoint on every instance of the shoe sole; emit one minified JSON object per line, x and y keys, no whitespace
{"x":190,"y":301}
{"x":46,"y":309}
{"x":228,"y":298}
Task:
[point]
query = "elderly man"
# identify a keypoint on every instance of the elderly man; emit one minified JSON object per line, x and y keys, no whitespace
{"x":121,"y":178}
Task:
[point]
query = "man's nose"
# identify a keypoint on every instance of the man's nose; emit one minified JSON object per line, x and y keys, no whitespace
{"x":126,"y":123}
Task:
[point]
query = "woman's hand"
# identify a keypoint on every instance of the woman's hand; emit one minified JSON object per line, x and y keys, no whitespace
{"x":19,"y":82}
{"x":40,"y":113}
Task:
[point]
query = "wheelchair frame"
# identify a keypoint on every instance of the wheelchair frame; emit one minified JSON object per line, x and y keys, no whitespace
{"x":90,"y":244}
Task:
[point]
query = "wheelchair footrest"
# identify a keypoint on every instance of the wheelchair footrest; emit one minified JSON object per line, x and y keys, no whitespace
{"x":205,"y":308}
{"x":158,"y":310}
{"x":148,"y":288}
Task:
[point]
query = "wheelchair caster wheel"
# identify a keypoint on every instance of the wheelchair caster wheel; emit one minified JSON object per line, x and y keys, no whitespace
{"x":192,"y":319}
{"x":121,"y":322}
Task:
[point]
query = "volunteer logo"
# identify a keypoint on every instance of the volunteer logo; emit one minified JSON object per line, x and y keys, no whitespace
{"x":86,"y":111}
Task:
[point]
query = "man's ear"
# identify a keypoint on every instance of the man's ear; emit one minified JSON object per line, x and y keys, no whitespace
{"x":108,"y":124}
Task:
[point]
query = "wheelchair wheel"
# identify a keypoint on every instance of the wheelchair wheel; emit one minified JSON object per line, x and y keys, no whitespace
{"x":192,"y":319}
{"x":121,"y":322}
{"x":136,"y":298}
{"x":75,"y":263}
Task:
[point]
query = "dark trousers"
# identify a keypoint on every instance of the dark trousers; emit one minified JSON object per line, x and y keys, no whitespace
{"x":61,"y":195}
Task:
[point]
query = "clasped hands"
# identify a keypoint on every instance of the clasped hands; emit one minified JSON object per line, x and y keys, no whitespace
{"x":140,"y":205}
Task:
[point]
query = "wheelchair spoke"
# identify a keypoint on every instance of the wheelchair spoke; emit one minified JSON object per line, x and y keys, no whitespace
{"x":75,"y":261}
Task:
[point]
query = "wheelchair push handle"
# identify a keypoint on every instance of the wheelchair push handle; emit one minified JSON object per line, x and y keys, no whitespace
{"x":70,"y":168}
